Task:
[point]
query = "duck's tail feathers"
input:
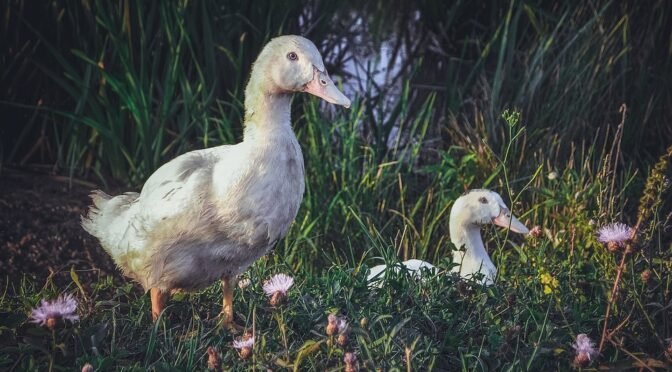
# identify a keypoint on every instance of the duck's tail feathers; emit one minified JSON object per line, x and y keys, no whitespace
{"x":106,"y":215}
{"x":90,"y":220}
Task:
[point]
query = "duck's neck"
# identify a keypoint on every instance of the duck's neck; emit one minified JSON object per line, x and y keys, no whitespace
{"x":267,"y":110}
{"x":474,"y":258}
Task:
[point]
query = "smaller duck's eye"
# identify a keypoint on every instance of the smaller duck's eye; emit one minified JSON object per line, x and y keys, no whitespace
{"x":483,"y":200}
{"x":292,"y":56}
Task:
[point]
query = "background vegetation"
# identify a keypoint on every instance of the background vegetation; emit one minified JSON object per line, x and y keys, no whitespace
{"x":111,"y":90}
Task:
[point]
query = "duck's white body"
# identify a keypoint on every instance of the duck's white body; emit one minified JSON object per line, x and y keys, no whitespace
{"x":470,"y":211}
{"x":209,"y":214}
{"x":414,"y":267}
{"x":204,"y":215}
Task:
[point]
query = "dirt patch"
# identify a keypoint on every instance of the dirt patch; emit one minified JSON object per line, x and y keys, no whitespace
{"x":40,"y":235}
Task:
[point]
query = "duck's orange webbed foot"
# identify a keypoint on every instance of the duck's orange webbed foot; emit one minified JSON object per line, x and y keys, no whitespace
{"x":227,"y":306}
{"x":159,"y":299}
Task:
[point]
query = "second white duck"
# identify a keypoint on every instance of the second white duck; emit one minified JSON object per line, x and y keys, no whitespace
{"x":470,"y":211}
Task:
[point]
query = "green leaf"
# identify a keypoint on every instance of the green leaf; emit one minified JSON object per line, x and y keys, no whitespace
{"x":306,"y":349}
{"x":75,"y":279}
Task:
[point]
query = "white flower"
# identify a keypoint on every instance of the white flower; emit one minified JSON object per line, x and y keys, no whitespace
{"x":350,"y":360}
{"x":616,"y":233}
{"x":246,"y":343}
{"x":49,"y":312}
{"x":584,"y":347}
{"x":332,"y":325}
{"x":342,"y":325}
{"x":244,"y":283}
{"x":536,"y":232}
{"x":244,"y":346}
{"x":279,"y":283}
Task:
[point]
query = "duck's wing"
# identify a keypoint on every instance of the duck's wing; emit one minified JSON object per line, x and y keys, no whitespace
{"x":124,"y":223}
{"x":416,"y":265}
{"x":375,"y":276}
{"x":185,"y":184}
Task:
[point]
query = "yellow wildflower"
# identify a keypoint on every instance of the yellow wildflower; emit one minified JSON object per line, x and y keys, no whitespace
{"x":550,"y":283}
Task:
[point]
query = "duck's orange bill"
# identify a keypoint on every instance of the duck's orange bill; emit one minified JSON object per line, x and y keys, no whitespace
{"x":323,"y":87}
{"x":507,"y":220}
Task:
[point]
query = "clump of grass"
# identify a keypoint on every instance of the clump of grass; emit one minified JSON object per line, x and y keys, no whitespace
{"x":657,"y":185}
{"x":104,"y":104}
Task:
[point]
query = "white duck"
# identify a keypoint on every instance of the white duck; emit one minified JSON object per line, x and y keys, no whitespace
{"x":209,"y":214}
{"x":413,"y":266}
{"x":470,"y":211}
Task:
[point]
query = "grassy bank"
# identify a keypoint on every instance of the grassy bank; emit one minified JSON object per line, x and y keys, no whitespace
{"x":550,"y":288}
{"x":109,"y":91}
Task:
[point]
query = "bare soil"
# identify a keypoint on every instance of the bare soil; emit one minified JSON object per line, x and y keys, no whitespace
{"x":40,"y":233}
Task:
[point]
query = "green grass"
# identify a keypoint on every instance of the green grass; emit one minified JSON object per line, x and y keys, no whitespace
{"x":171,"y":80}
{"x":149,"y":81}
{"x":437,"y":324}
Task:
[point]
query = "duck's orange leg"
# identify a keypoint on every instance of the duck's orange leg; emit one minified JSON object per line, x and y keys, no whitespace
{"x":159,"y":300}
{"x":227,"y":304}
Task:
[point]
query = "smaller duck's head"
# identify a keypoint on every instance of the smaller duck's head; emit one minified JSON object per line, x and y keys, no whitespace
{"x":293,"y":64}
{"x":480,"y":207}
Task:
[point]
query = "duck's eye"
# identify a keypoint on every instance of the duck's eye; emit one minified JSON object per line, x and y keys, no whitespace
{"x":483,"y":200}
{"x":292,"y":56}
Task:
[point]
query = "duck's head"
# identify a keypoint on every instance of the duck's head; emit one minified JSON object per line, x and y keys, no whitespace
{"x":480,"y":207}
{"x":292,"y":63}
